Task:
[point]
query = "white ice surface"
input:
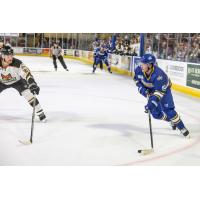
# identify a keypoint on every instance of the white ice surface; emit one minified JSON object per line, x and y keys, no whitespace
{"x":93,"y":119}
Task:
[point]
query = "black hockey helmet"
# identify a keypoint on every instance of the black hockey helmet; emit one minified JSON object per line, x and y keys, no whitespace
{"x":7,"y":50}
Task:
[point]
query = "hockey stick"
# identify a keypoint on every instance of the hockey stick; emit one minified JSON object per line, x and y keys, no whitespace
{"x":148,"y":151}
{"x":30,"y":141}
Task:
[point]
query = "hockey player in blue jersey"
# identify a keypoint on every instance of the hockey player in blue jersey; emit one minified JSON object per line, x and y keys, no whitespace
{"x":154,"y":84}
{"x":101,"y":58}
{"x":96,"y":49}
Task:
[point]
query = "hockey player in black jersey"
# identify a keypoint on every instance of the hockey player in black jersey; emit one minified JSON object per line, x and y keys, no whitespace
{"x":14,"y":74}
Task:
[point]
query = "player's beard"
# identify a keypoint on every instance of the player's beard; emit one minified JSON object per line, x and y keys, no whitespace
{"x":8,"y":62}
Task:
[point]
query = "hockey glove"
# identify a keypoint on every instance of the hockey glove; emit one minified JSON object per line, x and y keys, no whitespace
{"x":151,"y":105}
{"x":33,"y":86}
{"x":143,"y":91}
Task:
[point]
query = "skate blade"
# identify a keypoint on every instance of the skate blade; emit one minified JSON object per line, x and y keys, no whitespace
{"x":146,"y":151}
{"x":27,"y":142}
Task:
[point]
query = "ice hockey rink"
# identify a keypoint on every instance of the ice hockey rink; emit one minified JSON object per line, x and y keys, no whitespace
{"x":92,"y":119}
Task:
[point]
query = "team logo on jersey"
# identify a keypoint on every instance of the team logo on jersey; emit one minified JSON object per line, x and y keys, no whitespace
{"x":159,"y":78}
{"x":7,"y":78}
{"x":164,"y":87}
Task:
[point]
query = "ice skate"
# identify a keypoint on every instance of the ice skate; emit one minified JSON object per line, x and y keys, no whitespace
{"x":185,"y":133}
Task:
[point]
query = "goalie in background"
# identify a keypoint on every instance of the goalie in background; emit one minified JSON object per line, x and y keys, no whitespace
{"x":154,"y":84}
{"x":56,"y":53}
{"x":14,"y":74}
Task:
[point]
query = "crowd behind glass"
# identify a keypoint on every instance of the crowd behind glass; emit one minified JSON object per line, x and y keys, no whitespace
{"x":172,"y":46}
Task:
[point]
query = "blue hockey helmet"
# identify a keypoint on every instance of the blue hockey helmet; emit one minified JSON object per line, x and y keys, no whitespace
{"x":148,"y":59}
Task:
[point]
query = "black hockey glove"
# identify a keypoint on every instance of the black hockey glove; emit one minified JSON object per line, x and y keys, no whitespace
{"x":33,"y":86}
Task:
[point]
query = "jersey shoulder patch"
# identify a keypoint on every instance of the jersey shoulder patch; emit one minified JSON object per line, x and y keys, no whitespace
{"x":16,"y":63}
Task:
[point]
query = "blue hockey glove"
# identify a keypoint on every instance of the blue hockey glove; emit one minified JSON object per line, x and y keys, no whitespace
{"x":143,"y":91}
{"x":152,"y":104}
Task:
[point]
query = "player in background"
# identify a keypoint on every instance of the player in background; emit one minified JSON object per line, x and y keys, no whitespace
{"x":154,"y":84}
{"x":14,"y":74}
{"x":108,"y":45}
{"x":56,"y":53}
{"x":102,"y":58}
{"x":96,"y":49}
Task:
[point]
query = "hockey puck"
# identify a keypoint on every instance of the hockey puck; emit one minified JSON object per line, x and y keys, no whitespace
{"x":139,"y":151}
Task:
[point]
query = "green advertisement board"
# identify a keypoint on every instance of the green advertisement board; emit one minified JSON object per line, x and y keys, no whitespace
{"x":193,"y":75}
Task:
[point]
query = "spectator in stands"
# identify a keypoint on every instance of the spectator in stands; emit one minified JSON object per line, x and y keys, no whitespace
{"x":38,"y":45}
{"x":181,"y":52}
{"x":195,"y":38}
{"x":198,"y":56}
{"x":119,"y":48}
{"x":164,"y":46}
{"x":155,"y":42}
{"x":148,"y":48}
{"x":170,"y":51}
{"x":134,"y":46}
{"x":126,"y":40}
{"x":126,"y":50}
{"x":1,"y":43}
{"x":163,"y":50}
{"x":194,"y":53}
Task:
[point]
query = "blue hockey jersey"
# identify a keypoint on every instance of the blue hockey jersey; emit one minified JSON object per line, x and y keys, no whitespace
{"x":156,"y":84}
{"x":102,"y":55}
{"x":96,"y":51}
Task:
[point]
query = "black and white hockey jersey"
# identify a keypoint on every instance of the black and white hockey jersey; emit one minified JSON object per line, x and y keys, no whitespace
{"x":14,"y":72}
